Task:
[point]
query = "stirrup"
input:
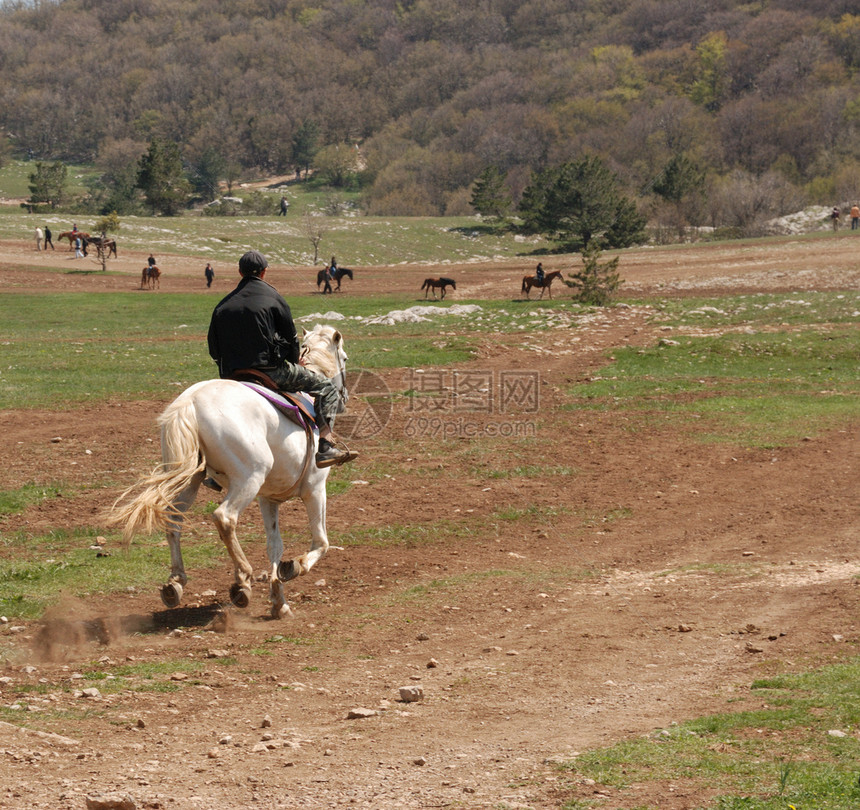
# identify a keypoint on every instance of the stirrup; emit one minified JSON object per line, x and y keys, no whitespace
{"x":332,"y":456}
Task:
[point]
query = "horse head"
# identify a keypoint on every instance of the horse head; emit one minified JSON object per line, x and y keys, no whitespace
{"x":322,"y":351}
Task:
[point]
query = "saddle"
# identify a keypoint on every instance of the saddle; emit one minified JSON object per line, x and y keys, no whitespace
{"x":294,"y":406}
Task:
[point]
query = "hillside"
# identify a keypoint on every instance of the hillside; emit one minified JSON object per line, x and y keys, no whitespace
{"x":434,"y":91}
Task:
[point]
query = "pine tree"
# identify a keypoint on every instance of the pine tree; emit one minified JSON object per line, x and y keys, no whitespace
{"x":161,"y":178}
{"x":48,"y":183}
{"x":490,"y":196}
{"x":596,"y":283}
{"x":578,"y":202}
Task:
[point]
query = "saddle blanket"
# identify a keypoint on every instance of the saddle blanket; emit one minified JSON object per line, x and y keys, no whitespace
{"x":292,"y":411}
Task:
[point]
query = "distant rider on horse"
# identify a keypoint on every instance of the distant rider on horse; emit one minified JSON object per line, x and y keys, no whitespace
{"x":539,"y":275}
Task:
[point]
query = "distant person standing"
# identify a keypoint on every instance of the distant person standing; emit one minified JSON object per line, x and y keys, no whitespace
{"x":39,"y":237}
{"x":834,"y":217}
{"x":284,"y":207}
{"x":48,"y":239}
{"x":209,"y":272}
{"x":855,"y":216}
{"x":79,"y":253}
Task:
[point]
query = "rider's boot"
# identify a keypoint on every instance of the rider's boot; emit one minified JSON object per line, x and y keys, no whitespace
{"x":329,"y":455}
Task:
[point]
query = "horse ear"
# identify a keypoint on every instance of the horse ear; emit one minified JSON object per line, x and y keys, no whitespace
{"x":337,"y":337}
{"x":304,"y":333}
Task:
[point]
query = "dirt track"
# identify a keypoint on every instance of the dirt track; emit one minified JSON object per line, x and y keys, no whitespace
{"x":649,"y":579}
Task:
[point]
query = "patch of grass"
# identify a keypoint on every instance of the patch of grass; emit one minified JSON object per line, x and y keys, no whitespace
{"x":773,"y":758}
{"x":761,"y":309}
{"x":398,"y":534}
{"x":762,"y":389}
{"x":13,"y":501}
{"x":527,"y":471}
{"x":514,"y":513}
{"x":45,"y":569}
{"x":590,"y":520}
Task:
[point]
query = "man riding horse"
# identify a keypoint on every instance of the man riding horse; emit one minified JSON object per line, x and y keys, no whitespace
{"x":252,"y":329}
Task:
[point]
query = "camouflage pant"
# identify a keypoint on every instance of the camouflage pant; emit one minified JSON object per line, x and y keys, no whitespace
{"x":292,"y":377}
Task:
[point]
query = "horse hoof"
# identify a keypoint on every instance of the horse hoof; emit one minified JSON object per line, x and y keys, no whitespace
{"x":240,"y":596}
{"x":287,"y":570}
{"x":171,"y":594}
{"x":281,"y":612}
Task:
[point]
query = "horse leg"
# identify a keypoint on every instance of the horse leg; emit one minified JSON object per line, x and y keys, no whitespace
{"x":315,"y":506}
{"x":274,"y":548}
{"x":226,"y":517}
{"x":171,"y":593}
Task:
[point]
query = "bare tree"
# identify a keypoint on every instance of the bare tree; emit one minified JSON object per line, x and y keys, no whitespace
{"x":315,"y":228}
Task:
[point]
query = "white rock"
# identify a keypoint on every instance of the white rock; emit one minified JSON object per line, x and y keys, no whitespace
{"x":111,"y":801}
{"x":361,"y":714}
{"x":409,"y":694}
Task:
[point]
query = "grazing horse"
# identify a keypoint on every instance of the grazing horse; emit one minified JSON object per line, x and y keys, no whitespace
{"x":226,"y":430}
{"x":546,"y":284}
{"x":72,"y":235}
{"x":339,"y":273}
{"x":150,"y":277}
{"x":433,"y":284}
{"x":101,"y":243}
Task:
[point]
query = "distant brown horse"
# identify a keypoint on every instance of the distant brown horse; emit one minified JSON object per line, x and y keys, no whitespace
{"x":433,"y":284}
{"x":150,"y":278}
{"x":546,"y":284}
{"x":72,"y":235}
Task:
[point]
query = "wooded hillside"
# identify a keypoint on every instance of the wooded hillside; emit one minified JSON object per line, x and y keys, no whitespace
{"x":412,"y":100}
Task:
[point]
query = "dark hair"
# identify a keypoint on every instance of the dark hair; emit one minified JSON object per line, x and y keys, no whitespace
{"x":252,"y":263}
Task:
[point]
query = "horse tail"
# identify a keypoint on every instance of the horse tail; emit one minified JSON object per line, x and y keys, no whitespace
{"x":524,"y":286}
{"x":426,"y":283}
{"x":153,"y":507}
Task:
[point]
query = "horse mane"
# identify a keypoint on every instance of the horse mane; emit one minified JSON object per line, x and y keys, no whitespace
{"x":448,"y":281}
{"x":319,"y":348}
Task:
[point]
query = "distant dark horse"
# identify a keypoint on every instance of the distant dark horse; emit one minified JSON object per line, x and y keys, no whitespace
{"x":546,"y":284}
{"x":101,"y":243}
{"x":339,"y":273}
{"x":433,"y":284}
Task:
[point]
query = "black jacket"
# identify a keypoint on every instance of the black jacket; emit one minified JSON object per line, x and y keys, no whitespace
{"x":252,"y":328}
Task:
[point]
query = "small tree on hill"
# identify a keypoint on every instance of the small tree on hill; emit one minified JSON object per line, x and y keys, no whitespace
{"x":48,"y":183}
{"x":315,"y":228}
{"x":107,"y":224}
{"x":490,"y":195}
{"x":580,"y":201}
{"x":161,"y":178}
{"x":304,"y":146}
{"x":596,"y":283}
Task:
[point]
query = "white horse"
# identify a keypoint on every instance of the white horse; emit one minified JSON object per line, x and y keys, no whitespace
{"x":225,"y":430}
